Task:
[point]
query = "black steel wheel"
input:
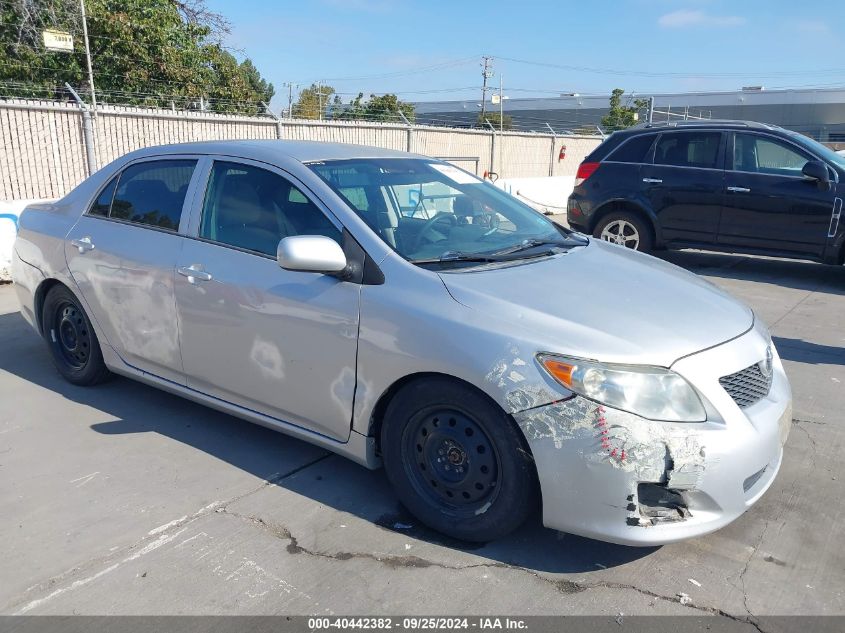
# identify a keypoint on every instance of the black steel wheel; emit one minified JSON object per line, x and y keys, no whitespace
{"x":451,"y":460}
{"x":72,"y":334}
{"x":457,"y":461}
{"x":71,"y":338}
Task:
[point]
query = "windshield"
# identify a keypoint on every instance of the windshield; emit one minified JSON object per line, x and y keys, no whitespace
{"x":428,"y":211}
{"x":824,"y":152}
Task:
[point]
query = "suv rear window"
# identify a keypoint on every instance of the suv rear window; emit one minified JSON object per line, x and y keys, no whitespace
{"x":688,"y":149}
{"x":634,"y":150}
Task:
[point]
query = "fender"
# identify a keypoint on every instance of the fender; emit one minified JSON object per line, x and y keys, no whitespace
{"x":638,"y":203}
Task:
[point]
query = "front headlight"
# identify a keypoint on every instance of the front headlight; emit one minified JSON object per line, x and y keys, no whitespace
{"x":650,"y":392}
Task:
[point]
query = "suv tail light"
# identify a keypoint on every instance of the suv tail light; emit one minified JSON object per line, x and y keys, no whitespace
{"x":585,"y":170}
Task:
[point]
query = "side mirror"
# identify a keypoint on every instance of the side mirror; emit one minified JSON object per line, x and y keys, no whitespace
{"x":311,"y":253}
{"x":817,"y":170}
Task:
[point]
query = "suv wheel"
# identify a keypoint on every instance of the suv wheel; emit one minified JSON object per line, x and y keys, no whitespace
{"x":625,"y":229}
{"x":457,"y":461}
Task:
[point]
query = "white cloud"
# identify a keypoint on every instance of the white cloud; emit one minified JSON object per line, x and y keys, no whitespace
{"x":813,"y":27}
{"x":689,"y":17}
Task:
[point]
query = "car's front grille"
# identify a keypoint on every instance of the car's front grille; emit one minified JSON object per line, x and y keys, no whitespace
{"x":748,"y":386}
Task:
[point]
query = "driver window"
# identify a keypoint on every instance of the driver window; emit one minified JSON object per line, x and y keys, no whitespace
{"x":765,"y":155}
{"x":253,"y":209}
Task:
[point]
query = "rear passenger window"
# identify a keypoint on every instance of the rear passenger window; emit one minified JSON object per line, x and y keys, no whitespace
{"x":102,"y":204}
{"x":251,"y":208}
{"x":634,"y":150}
{"x":688,"y":149}
{"x":152,"y":193}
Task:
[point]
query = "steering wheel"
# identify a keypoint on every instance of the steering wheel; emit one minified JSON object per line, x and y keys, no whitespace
{"x":429,"y":224}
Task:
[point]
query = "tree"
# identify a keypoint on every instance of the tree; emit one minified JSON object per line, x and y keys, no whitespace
{"x":312,"y":101}
{"x":144,"y":52}
{"x":493,"y":117}
{"x":620,"y":117}
{"x":377,"y":108}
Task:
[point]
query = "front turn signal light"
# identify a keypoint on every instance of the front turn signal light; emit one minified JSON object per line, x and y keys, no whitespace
{"x":561,"y":371}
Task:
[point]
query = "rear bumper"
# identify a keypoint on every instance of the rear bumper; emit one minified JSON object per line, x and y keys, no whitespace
{"x":673,"y":481}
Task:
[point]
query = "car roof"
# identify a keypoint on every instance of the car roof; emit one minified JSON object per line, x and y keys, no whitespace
{"x":270,"y":150}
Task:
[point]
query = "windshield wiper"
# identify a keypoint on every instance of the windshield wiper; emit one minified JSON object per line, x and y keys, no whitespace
{"x":500,"y":256}
{"x":534,"y":243}
{"x":456,"y":256}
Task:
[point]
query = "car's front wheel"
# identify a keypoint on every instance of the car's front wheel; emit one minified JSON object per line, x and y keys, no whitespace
{"x":457,"y":461}
{"x":625,"y":229}
{"x":71,"y":339}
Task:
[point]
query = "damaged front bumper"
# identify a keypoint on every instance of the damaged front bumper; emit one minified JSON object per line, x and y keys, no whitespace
{"x":614,"y":476}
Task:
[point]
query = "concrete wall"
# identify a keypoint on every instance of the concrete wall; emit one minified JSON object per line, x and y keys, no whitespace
{"x":548,"y":195}
{"x":9,"y":212}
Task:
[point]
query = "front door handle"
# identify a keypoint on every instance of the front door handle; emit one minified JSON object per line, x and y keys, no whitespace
{"x":652,"y":180}
{"x":739,"y":189}
{"x":84,"y":244}
{"x":194,"y":273}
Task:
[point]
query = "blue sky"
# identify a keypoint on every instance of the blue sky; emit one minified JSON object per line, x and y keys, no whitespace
{"x":428,"y":50}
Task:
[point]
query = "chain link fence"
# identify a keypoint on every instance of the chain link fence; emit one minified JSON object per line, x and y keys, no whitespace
{"x":44,"y":153}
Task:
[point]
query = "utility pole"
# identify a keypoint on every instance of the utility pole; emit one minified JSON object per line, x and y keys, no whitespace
{"x":486,"y":73}
{"x":88,"y":58}
{"x":320,"y":97}
{"x":501,"y":106}
{"x":290,"y":86}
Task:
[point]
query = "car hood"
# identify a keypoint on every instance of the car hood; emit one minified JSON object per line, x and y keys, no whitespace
{"x":606,"y":303}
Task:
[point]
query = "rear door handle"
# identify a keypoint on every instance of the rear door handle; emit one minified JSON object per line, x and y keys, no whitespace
{"x":84,"y":244}
{"x":194,"y":273}
{"x":653,"y":180}
{"x":739,"y":189}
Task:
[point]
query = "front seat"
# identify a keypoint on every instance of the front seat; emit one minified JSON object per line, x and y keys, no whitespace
{"x":242,"y":220}
{"x":464,"y":209}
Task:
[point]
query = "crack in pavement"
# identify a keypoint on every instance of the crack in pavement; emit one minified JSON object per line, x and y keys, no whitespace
{"x":395,"y":562}
{"x":754,"y":550}
{"x":563,"y":586}
{"x":150,"y":541}
{"x":797,"y":425}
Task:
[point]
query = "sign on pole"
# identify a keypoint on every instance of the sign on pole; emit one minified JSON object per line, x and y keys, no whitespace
{"x":58,"y":41}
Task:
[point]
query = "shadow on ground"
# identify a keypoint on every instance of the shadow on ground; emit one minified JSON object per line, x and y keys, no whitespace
{"x":137,"y":408}
{"x":789,"y":273}
{"x":802,"y":351}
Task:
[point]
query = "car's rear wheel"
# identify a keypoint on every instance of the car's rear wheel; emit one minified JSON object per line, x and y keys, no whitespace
{"x":625,"y":229}
{"x":457,"y":461}
{"x":71,"y":339}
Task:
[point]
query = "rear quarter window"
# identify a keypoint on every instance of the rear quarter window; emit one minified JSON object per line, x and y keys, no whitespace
{"x":634,"y":150}
{"x":102,"y":204}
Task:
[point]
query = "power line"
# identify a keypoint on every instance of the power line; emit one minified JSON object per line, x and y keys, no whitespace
{"x":636,"y":73}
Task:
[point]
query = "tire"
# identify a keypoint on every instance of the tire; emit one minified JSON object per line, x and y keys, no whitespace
{"x":636,"y":233}
{"x":457,"y":461}
{"x":71,"y":339}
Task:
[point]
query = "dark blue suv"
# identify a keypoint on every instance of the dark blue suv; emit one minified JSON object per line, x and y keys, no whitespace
{"x":719,"y":185}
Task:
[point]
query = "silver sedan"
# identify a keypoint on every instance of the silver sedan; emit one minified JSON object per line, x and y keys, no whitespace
{"x":401,"y":312}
